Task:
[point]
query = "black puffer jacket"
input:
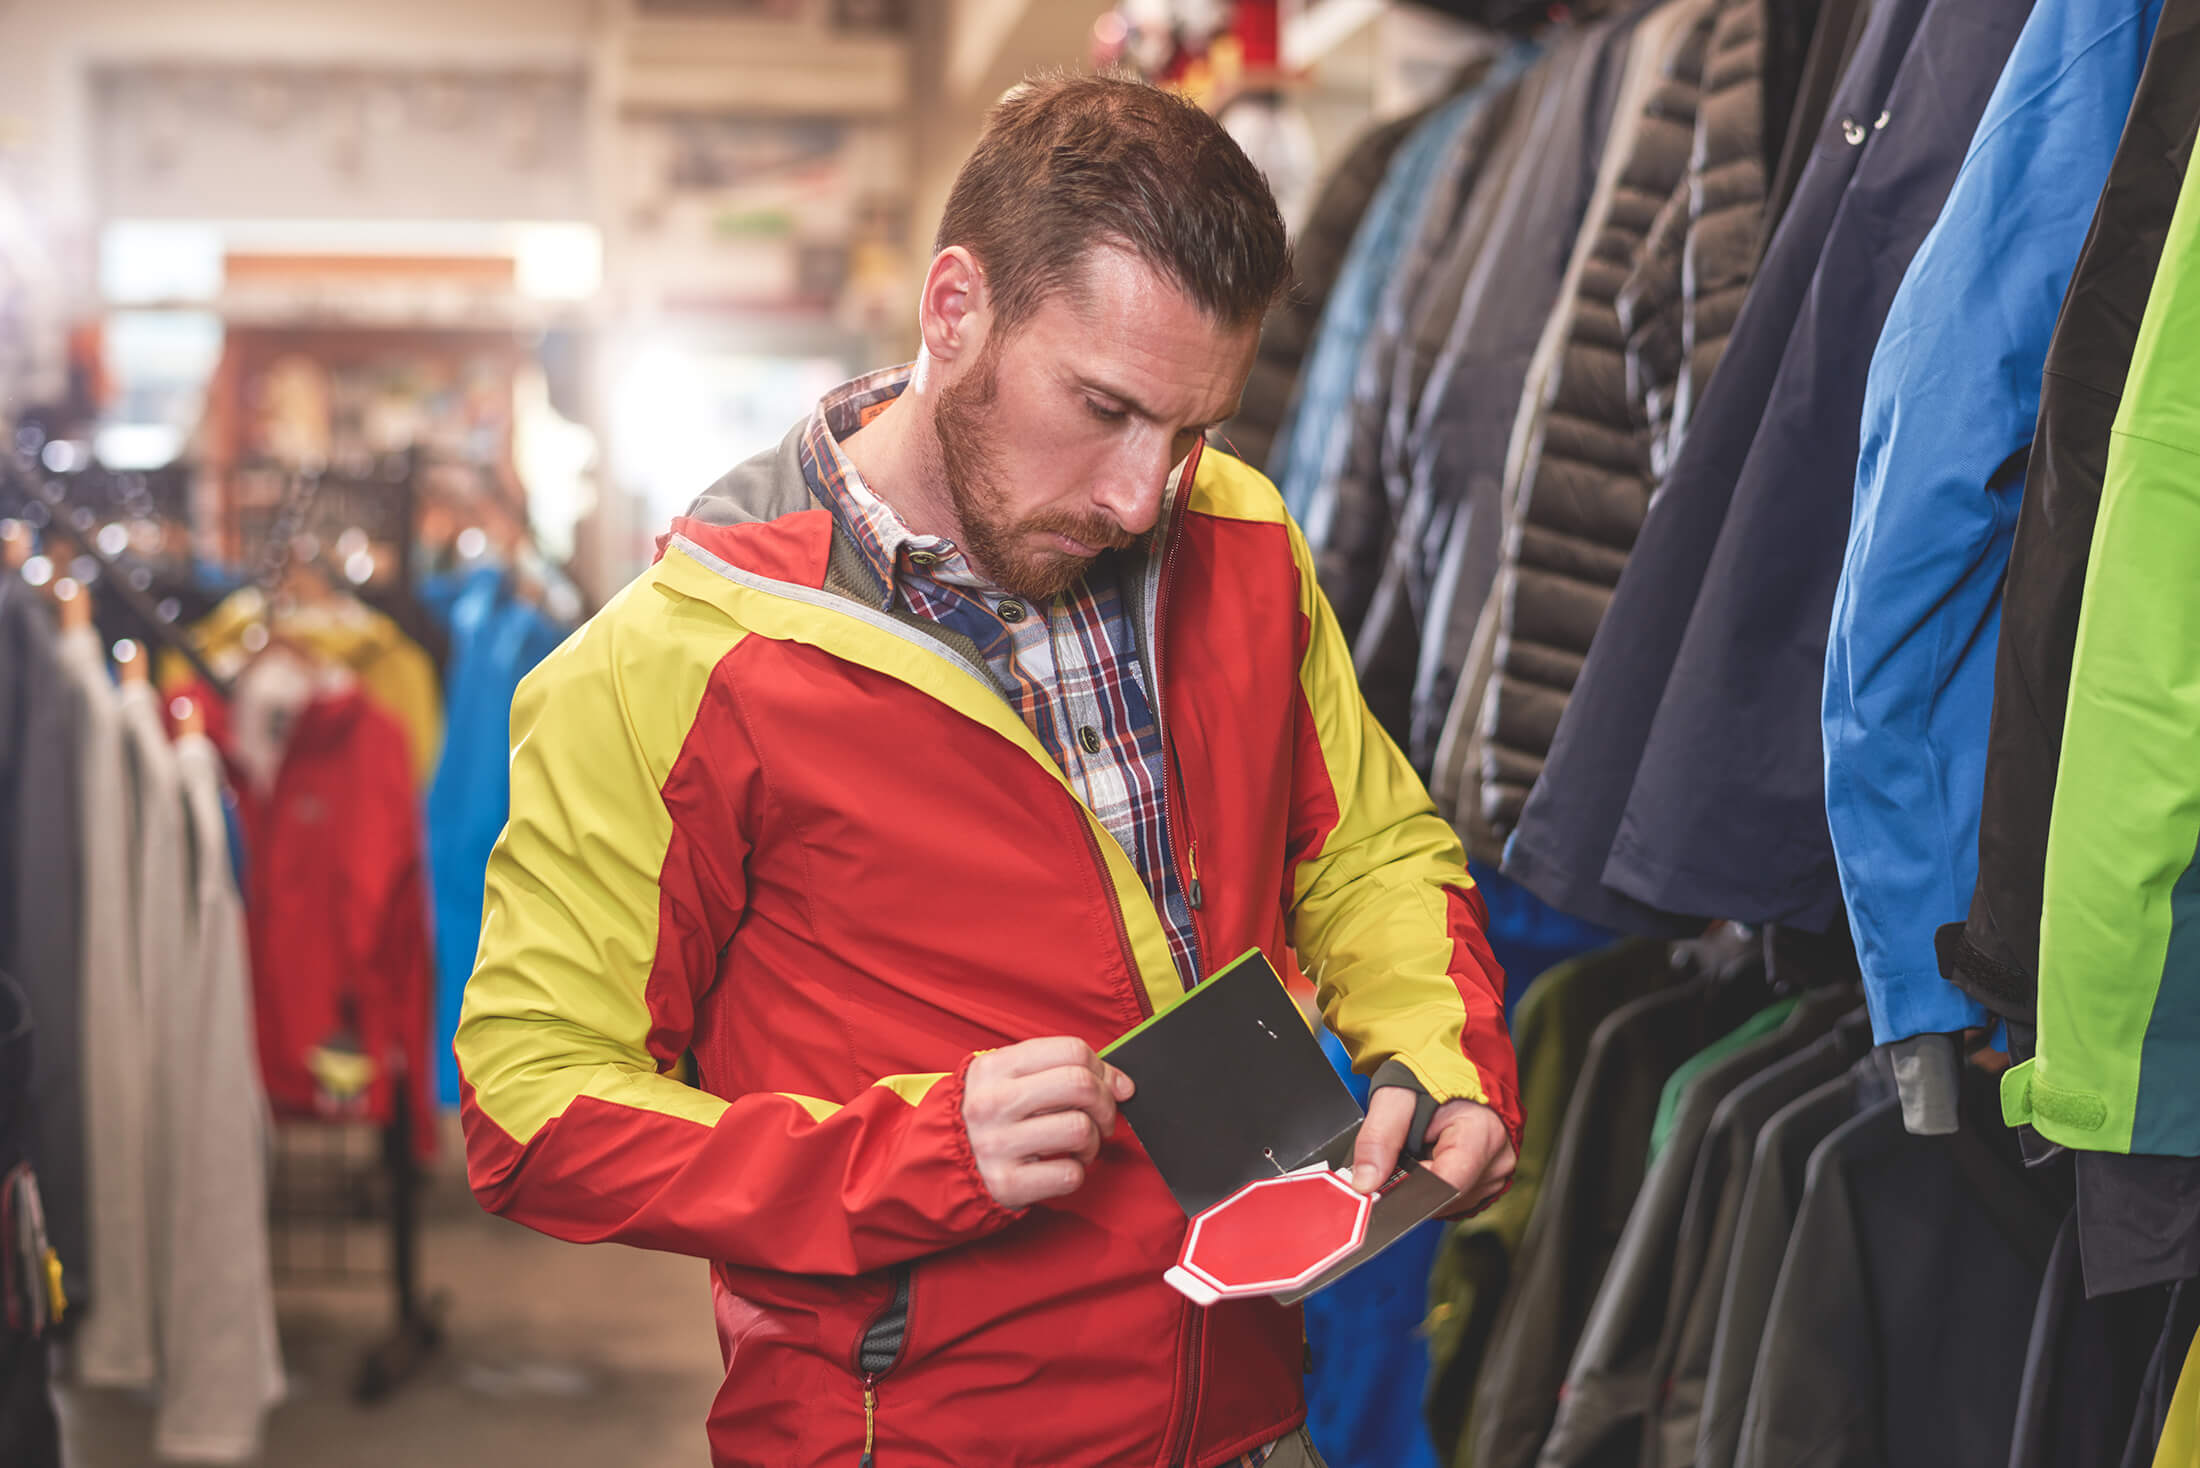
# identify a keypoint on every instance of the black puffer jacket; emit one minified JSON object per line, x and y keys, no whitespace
{"x":1676,"y":309}
{"x":1317,"y":256}
{"x":1726,"y":198}
{"x":1586,"y":482}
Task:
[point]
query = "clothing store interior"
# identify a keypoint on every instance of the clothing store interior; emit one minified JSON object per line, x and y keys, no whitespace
{"x":1737,"y":443}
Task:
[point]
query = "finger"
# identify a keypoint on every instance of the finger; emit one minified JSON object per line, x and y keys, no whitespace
{"x":1066,"y":1088}
{"x":1476,"y":1161}
{"x":1057,"y":1134}
{"x":1120,"y":1086}
{"x":1466,"y":1148}
{"x":1382,"y":1137}
{"x":1029,"y":1057}
{"x":1035,"y":1182}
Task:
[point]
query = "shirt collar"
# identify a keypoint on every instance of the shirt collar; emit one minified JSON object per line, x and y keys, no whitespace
{"x":878,"y":531}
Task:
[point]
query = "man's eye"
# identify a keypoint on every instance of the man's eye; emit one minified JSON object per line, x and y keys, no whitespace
{"x":1104,"y":413}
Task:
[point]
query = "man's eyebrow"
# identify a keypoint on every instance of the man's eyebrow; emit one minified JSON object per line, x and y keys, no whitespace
{"x":1139,"y":409}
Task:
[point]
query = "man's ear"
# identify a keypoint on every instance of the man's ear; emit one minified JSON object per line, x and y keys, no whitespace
{"x":954,"y":312}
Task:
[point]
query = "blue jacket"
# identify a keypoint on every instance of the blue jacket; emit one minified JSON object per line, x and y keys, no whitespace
{"x":1948,"y":416}
{"x":496,"y":638}
{"x":1370,"y":1362}
{"x":1310,"y":443}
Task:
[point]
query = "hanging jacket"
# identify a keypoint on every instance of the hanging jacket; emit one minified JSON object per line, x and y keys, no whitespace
{"x":1551,"y":1027}
{"x":1726,"y":813}
{"x":1427,"y":293}
{"x":1586,"y":477}
{"x":1777,"y":1172}
{"x":221,"y":1360}
{"x":1567,"y":550}
{"x":1909,"y":662}
{"x":1710,"y":1225}
{"x":1907,"y":1287}
{"x":30,"y":1434}
{"x":2085,"y":1366}
{"x":2159,"y":1393}
{"x":395,"y":673}
{"x":1356,"y":514}
{"x":745,"y":800}
{"x":1570,"y":825}
{"x":1316,"y":256}
{"x":1726,"y":196}
{"x":1996,"y":960}
{"x":114,"y":1342}
{"x":1310,"y":446}
{"x":1465,"y":419}
{"x":338,"y":911}
{"x":1836,"y":34}
{"x":1594,"y":1177}
{"x":2138,"y":1219}
{"x":497,"y":638}
{"x":1611,"y":1389}
{"x":1459,"y":628}
{"x":41,"y":722}
{"x":2119,"y":995}
{"x":2178,"y":1442}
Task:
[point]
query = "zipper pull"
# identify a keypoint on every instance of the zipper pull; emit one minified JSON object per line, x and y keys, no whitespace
{"x":870,"y":1423}
{"x":1192,"y":861}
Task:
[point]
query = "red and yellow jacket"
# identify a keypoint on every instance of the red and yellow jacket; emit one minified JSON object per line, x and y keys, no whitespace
{"x":757,"y":819}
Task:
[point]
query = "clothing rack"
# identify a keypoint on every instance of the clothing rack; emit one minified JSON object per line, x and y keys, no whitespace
{"x":334,"y":1197}
{"x":328,"y":1186}
{"x":45,"y":500}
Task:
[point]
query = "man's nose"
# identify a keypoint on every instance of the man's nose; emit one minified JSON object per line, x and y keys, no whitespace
{"x":1132,"y":496}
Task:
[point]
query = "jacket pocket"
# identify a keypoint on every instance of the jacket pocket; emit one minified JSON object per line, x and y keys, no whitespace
{"x":879,"y":1350}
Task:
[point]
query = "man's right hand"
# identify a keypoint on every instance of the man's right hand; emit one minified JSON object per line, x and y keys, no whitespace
{"x":1037,"y":1113}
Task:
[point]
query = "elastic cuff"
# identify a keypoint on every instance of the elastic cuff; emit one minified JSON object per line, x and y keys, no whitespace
{"x":960,"y":1140}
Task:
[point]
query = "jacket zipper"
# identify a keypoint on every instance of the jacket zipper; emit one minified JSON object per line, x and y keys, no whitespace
{"x":1189,"y":887}
{"x":890,"y":1323}
{"x":1196,"y":1335}
{"x":1180,"y":1441}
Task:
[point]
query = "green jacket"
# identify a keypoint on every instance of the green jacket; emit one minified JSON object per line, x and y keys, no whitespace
{"x":2118,"y":1067}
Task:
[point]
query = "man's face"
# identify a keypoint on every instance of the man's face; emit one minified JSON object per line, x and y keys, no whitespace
{"x":1058,"y":441}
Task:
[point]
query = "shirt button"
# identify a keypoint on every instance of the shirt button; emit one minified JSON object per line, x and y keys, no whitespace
{"x":1090,"y":738}
{"x":924,"y":559}
{"x":1011,"y":611}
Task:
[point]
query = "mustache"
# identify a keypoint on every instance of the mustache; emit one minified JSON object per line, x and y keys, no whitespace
{"x":1102,"y":535}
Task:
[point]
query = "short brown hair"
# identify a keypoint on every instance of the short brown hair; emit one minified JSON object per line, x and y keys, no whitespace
{"x":1069,"y":163}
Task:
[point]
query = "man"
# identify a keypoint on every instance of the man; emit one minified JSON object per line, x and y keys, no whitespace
{"x":941,"y":746}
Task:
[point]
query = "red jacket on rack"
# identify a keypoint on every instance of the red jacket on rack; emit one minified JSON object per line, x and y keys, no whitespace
{"x":337,"y":907}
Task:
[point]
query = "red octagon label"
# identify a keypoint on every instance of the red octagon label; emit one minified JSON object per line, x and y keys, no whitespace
{"x":1271,"y":1236}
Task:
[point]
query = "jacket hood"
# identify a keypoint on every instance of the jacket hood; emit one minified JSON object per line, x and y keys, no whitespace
{"x":758,"y":489}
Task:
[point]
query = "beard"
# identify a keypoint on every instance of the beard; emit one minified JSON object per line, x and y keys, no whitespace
{"x":999,"y":543}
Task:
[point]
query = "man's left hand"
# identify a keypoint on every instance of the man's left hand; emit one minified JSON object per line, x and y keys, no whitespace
{"x":1472,"y":1152}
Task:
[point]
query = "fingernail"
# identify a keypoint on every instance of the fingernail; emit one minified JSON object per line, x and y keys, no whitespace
{"x":1363,"y":1178}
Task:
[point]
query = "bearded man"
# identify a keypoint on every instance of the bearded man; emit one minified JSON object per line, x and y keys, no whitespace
{"x":942,"y":745}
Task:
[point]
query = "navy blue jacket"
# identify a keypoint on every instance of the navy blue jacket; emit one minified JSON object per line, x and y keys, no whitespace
{"x":1573,"y":813}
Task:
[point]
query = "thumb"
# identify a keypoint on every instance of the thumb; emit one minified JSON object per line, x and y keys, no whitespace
{"x":1382,"y":1136}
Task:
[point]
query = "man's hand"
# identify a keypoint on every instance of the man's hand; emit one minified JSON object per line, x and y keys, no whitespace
{"x":1472,"y":1153}
{"x":1037,"y":1113}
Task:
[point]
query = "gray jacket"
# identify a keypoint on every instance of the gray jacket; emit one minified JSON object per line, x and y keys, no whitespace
{"x":41,"y":734}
